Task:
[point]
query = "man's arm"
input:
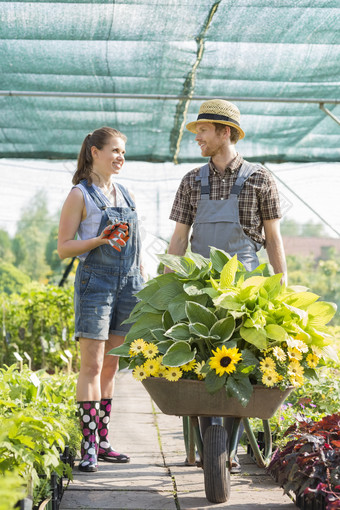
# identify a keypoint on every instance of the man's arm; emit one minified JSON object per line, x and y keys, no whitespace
{"x":179,"y":241}
{"x":274,"y":247}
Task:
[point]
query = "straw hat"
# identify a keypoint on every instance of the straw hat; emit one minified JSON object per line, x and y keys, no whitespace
{"x":220,"y":111}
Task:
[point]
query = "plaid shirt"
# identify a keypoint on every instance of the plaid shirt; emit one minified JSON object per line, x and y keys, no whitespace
{"x":258,"y":200}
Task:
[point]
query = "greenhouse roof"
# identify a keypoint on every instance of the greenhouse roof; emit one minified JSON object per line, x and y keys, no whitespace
{"x":144,"y":66}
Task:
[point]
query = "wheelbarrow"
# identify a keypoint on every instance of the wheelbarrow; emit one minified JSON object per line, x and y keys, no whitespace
{"x":191,"y":400}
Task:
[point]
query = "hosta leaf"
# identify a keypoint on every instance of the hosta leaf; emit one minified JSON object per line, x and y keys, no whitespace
{"x":141,"y":328}
{"x":240,"y":388}
{"x":193,"y":288}
{"x":178,"y":332}
{"x":158,"y":334}
{"x":178,"y":354}
{"x":199,"y":260}
{"x":302,"y":299}
{"x":182,"y":265}
{"x":121,"y":350}
{"x":224,"y":328}
{"x":218,"y":258}
{"x":228,"y":273}
{"x":163,"y":296}
{"x":211,"y":292}
{"x":229,"y":302}
{"x":167,"y":320}
{"x":273,"y":286}
{"x":199,"y":329}
{"x":198,"y":313}
{"x":255,"y":337}
{"x":321,"y":312}
{"x":164,"y":346}
{"x":276,"y":332}
{"x":214,"y":382}
{"x":177,"y":306}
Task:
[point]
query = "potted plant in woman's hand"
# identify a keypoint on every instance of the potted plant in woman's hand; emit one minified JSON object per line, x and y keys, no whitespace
{"x":211,"y":320}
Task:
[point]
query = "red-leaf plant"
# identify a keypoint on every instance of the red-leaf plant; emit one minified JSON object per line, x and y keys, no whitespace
{"x":309,"y":464}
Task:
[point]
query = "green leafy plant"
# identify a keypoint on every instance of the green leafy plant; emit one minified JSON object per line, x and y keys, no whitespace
{"x":211,"y":319}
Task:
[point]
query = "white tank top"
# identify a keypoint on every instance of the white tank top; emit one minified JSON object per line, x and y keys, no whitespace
{"x":89,"y":227}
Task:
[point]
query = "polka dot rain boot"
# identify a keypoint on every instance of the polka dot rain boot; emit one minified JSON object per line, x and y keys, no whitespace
{"x":89,"y":420}
{"x":106,"y":452}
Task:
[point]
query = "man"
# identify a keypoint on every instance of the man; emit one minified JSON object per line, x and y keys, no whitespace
{"x":230,"y":204}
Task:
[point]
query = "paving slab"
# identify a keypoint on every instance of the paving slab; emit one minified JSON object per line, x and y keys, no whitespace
{"x":157,"y":477}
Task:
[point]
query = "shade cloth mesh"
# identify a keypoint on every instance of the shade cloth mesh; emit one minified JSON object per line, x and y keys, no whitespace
{"x":245,"y":50}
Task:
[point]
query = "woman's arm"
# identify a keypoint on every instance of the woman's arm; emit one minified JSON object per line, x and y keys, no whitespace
{"x":73,"y":212}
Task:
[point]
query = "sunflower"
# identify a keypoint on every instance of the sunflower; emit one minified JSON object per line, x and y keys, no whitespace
{"x":189,"y":366}
{"x":312,"y":360}
{"x":137,"y":347}
{"x":224,"y":360}
{"x":279,"y":354}
{"x":139,"y":373}
{"x":173,"y":373}
{"x":267,"y":364}
{"x":151,"y":367}
{"x":270,"y":378}
{"x":198,"y":370}
{"x":295,"y":369}
{"x":150,"y":350}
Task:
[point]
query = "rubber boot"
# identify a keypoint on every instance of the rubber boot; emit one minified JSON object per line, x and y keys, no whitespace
{"x":89,"y":421}
{"x":106,"y":452}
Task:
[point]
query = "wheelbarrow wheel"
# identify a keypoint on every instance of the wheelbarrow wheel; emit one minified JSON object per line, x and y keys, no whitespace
{"x":216,"y":475}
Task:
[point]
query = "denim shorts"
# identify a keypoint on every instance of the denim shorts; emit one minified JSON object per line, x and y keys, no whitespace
{"x":103,"y":299}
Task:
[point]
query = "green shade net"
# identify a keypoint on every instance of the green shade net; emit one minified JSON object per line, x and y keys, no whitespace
{"x":286,"y":53}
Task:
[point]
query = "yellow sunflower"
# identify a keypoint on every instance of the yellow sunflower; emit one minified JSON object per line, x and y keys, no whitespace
{"x":139,"y":373}
{"x":137,"y":346}
{"x":198,"y":370}
{"x":151,"y":367}
{"x":295,"y":369}
{"x":270,"y":378}
{"x":279,"y":354}
{"x":150,"y":350}
{"x":189,"y":366}
{"x":224,"y":360}
{"x":173,"y":373}
{"x":267,"y":364}
{"x":312,"y":360}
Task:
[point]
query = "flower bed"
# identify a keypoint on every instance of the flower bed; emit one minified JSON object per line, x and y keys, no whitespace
{"x":309,"y":464}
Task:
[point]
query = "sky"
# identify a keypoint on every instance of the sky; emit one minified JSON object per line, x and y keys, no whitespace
{"x":302,"y":187}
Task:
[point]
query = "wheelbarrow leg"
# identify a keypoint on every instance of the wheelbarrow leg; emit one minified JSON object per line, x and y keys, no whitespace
{"x":189,"y":441}
{"x":261,"y":461}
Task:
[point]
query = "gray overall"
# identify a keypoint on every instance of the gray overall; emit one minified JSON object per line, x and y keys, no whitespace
{"x":217,"y":222}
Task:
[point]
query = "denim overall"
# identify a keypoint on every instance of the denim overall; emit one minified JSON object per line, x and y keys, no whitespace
{"x":217,"y":222}
{"x":107,"y":279}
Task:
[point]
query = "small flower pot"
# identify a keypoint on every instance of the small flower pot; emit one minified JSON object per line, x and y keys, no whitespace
{"x":311,"y":502}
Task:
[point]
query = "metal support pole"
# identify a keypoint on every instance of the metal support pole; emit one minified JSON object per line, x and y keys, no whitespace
{"x":331,"y":115}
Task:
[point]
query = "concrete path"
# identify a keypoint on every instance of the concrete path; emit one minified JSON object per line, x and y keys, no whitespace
{"x":156,"y":478}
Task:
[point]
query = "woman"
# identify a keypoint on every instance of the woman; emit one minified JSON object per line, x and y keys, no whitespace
{"x":107,"y":278}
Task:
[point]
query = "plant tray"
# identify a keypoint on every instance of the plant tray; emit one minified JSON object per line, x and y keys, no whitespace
{"x":190,"y":398}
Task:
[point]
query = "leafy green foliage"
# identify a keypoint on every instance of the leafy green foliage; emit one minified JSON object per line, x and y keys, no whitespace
{"x":39,"y":322}
{"x":36,"y":422}
{"x":212,"y":311}
{"x":11,"y":278}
